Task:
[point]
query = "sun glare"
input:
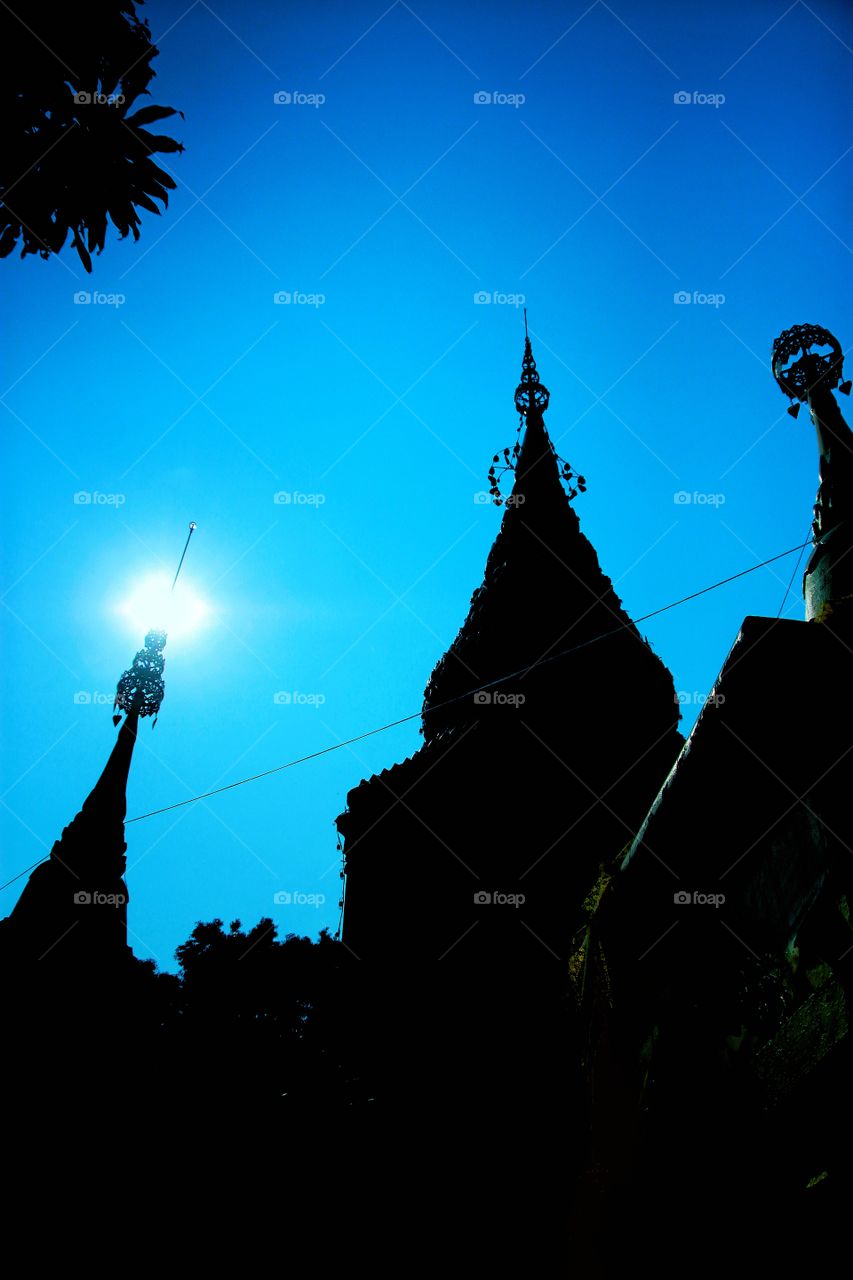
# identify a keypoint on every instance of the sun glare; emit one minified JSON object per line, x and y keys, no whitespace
{"x":152,"y":605}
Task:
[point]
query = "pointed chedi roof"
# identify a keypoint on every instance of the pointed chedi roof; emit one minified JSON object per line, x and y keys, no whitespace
{"x":543,"y":593}
{"x":74,"y":906}
{"x":537,"y":766}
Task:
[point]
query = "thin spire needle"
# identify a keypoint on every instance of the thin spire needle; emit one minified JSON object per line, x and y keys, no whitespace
{"x":184,"y":552}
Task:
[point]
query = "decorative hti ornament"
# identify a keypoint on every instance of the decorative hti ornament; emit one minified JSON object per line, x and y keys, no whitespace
{"x":141,"y":688}
{"x":814,"y":370}
{"x":531,"y":400}
{"x":807,"y":363}
{"x":530,"y":392}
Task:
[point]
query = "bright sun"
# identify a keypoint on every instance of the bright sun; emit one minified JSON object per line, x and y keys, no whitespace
{"x":152,"y":605}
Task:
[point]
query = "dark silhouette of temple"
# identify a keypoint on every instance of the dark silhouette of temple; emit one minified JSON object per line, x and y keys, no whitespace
{"x":714,"y":971}
{"x":549,"y":726}
{"x":73,"y":990}
{"x":593,"y":982}
{"x":72,"y":914}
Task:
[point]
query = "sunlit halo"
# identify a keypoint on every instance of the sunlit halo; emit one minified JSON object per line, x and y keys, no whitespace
{"x":152,"y":605}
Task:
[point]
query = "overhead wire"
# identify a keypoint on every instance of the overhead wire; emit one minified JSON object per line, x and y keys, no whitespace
{"x":415,"y":715}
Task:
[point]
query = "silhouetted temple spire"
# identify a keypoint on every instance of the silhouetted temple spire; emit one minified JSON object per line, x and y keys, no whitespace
{"x":543,"y":593}
{"x":808,"y":365}
{"x":530,"y":394}
{"x":74,"y":906}
{"x":536,"y":767}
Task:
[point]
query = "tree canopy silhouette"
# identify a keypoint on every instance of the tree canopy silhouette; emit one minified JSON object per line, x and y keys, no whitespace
{"x":253,"y":1030}
{"x":74,"y":155}
{"x":274,"y":1023}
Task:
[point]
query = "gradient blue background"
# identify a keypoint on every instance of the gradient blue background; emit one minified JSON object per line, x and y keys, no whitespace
{"x":390,"y":398}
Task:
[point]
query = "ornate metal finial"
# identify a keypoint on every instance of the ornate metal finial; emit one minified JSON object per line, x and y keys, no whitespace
{"x":530,"y":392}
{"x":141,"y":688}
{"x":807,"y":363}
{"x":798,"y":379}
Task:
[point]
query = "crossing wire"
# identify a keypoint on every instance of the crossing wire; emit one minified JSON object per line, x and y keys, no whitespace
{"x":415,"y":715}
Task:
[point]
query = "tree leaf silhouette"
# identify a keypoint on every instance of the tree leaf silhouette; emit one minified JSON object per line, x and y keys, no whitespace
{"x":74,"y":155}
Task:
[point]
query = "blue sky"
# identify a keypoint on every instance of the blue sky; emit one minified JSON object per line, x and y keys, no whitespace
{"x":377,"y":395}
